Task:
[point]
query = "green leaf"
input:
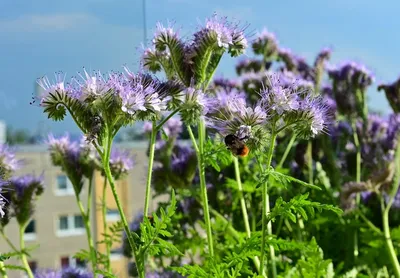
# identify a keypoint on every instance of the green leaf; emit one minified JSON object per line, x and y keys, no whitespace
{"x":282,"y":178}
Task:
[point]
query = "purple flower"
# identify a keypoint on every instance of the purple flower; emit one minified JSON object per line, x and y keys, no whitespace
{"x":249,"y":65}
{"x":51,"y":87}
{"x":173,"y":127}
{"x":24,"y":190}
{"x":224,"y":101}
{"x":143,"y":94}
{"x":221,"y":32}
{"x":76,"y":159}
{"x":147,"y":127}
{"x":277,"y":98}
{"x":392,"y":93}
{"x":88,"y":86}
{"x":162,"y":36}
{"x":69,"y":272}
{"x":355,"y":74}
{"x":266,"y":44}
{"x":225,"y":83}
{"x":8,"y":161}
{"x":195,"y":104}
{"x":23,"y":183}
{"x":121,"y":162}
{"x":315,"y":113}
{"x":180,"y":159}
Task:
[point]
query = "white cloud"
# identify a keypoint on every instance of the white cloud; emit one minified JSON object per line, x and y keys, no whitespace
{"x":47,"y":23}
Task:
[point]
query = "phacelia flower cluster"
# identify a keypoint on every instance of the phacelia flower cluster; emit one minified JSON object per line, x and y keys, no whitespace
{"x":96,"y":100}
{"x":265,"y":44}
{"x":23,"y":192}
{"x":350,"y":81}
{"x":75,"y":158}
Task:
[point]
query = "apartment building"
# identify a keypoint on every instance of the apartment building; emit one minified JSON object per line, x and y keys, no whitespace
{"x":57,"y":228}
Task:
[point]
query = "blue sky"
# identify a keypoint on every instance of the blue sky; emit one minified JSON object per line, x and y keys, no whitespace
{"x":40,"y":37}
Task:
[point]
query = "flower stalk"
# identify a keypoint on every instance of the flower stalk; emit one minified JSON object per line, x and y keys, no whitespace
{"x":105,"y":226}
{"x":150,"y":167}
{"x":385,"y":212}
{"x":203,"y":188}
{"x":107,"y":170}
{"x":256,"y":260}
{"x":267,"y":227}
{"x":23,"y":254}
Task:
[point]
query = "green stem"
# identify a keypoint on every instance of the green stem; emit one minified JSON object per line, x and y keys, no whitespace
{"x":369,"y":223}
{"x":23,"y":255}
{"x":105,"y":228}
{"x":288,"y":148}
{"x":385,"y":212}
{"x":256,"y":260}
{"x":150,"y":168}
{"x":358,"y":179}
{"x":388,"y":239}
{"x":267,"y":227}
{"x":310,"y":163}
{"x":107,"y":170}
{"x":203,"y":188}
{"x":86,"y":222}
{"x":160,"y":125}
{"x":3,"y":271}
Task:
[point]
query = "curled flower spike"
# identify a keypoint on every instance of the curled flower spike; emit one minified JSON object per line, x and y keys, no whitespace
{"x":77,"y":159}
{"x":237,"y":118}
{"x":266,"y":44}
{"x":313,"y":117}
{"x":195,"y":104}
{"x":392,"y":93}
{"x":277,"y":98}
{"x":8,"y":161}
{"x":250,"y":65}
{"x":57,"y":86}
{"x":24,"y":190}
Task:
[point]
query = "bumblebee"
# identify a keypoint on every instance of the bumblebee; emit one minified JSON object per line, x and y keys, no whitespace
{"x":236,"y":145}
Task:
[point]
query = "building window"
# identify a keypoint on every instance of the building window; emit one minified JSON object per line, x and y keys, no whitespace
{"x":64,"y":262}
{"x":30,"y":231}
{"x":78,"y":222}
{"x":69,"y":261}
{"x":33,"y":265}
{"x":116,"y":254}
{"x":63,"y":223}
{"x":64,"y":186}
{"x":113,"y":215}
{"x":70,"y":225}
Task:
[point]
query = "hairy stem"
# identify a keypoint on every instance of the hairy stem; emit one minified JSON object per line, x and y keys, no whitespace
{"x":286,"y":153}
{"x":150,"y":168}
{"x":23,"y":255}
{"x":203,"y":188}
{"x":3,"y":271}
{"x":267,"y":227}
{"x":388,"y":239}
{"x":358,"y":179}
{"x":105,"y":226}
{"x":256,"y":260}
{"x":86,"y":222}
{"x":385,"y":211}
{"x":107,"y":170}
